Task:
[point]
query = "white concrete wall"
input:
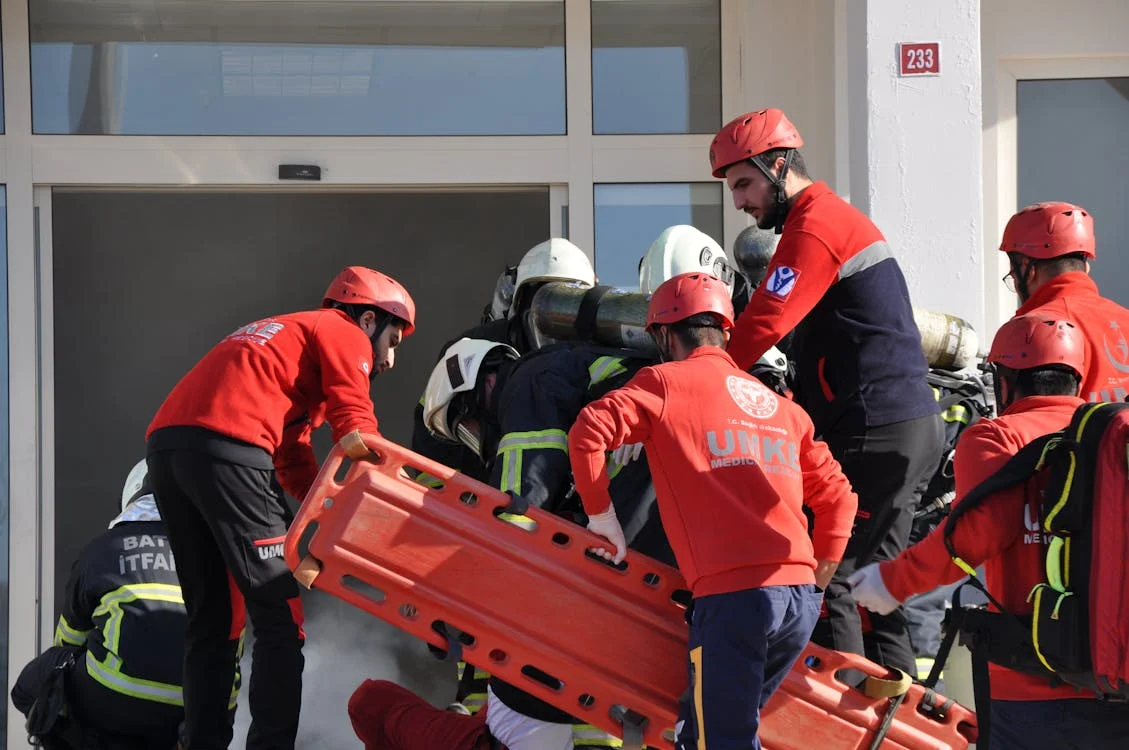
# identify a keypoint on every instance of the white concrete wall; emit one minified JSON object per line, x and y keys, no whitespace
{"x":1025,"y":39}
{"x":786,"y":53}
{"x":915,"y":145}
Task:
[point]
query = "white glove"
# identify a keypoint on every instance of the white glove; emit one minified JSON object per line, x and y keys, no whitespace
{"x":869,"y":590}
{"x":607,"y":525}
{"x":627,"y":453}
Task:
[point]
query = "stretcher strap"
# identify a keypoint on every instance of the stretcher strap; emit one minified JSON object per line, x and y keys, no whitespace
{"x":633,"y":726}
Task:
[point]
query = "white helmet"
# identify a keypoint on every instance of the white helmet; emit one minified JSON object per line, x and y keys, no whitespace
{"x":683,"y":249}
{"x":555,"y":259}
{"x":134,"y":482}
{"x":457,"y":372}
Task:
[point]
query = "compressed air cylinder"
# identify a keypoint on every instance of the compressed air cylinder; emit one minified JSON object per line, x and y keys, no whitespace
{"x":612,"y":316}
{"x":608,"y":316}
{"x":949,"y":342}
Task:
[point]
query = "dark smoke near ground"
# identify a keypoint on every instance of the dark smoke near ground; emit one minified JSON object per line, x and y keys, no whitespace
{"x":344,"y":647}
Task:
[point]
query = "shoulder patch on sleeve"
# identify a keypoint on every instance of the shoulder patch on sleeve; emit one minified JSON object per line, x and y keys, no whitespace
{"x":782,"y":281}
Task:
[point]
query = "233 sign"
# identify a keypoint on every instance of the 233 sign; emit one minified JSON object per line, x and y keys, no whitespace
{"x":919,"y":58}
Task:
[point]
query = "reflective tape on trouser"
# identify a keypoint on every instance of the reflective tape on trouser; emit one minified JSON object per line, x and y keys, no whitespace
{"x":924,"y":667}
{"x":586,"y":736}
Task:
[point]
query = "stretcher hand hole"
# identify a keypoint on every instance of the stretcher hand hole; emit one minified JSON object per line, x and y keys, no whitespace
{"x":561,"y":539}
{"x":592,"y":555}
{"x":682,"y":597}
{"x":446,"y":630}
{"x":525,"y":523}
{"x":543,"y":678}
{"x":367,"y":590}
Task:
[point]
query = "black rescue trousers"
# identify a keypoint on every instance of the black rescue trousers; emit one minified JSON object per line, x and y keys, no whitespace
{"x":108,"y":720}
{"x":888,"y":467}
{"x":227,"y":524}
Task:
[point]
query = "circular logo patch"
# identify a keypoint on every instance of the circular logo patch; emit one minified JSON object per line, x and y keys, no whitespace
{"x":755,"y":399}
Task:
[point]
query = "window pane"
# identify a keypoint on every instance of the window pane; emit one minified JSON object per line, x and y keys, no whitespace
{"x":414,"y":67}
{"x":1094,"y":112}
{"x":630,"y":217}
{"x":656,"y":66}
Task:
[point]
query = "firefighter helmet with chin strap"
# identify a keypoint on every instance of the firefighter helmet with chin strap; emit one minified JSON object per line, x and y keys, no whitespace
{"x":683,"y":249}
{"x":455,"y":389}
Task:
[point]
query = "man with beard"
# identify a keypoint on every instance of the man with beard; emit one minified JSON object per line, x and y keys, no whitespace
{"x":860,"y":370}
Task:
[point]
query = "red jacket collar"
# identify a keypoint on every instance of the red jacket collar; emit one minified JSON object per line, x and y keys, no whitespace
{"x":1032,"y":403}
{"x":711,"y":351}
{"x":1073,"y":284}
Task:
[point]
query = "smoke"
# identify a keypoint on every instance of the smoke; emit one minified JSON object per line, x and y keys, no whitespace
{"x":344,"y":647}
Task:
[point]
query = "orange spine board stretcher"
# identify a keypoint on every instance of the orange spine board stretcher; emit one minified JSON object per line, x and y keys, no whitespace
{"x":530,"y":604}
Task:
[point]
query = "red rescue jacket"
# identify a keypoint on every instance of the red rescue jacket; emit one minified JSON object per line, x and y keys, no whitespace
{"x":1002,"y":534}
{"x":1104,"y":324}
{"x":732,"y":464}
{"x":273,"y":382}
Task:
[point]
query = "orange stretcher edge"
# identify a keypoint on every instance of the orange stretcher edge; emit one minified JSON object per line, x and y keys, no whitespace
{"x":534,"y":609}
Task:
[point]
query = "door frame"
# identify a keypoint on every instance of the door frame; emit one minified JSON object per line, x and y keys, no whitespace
{"x":1001,"y":161}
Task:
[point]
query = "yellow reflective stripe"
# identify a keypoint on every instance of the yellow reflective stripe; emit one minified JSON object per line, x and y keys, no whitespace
{"x":522,"y":522}
{"x":513,"y":444}
{"x":968,"y":569}
{"x":68,"y":635}
{"x":1038,"y":592}
{"x":604,"y":368}
{"x":586,"y":735}
{"x":429,"y":481}
{"x":111,"y":605}
{"x":924,"y":666}
{"x":956,"y":413}
{"x":936,"y":392}
{"x":1055,"y":550}
{"x":536,"y":439}
{"x":1062,"y":498}
{"x":112,"y":678}
{"x":699,"y":713}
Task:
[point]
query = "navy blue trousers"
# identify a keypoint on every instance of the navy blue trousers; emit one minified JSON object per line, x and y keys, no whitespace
{"x":1066,"y":724}
{"x":742,"y":645}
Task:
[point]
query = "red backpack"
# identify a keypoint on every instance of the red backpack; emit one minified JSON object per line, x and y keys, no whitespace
{"x":1079,"y":631}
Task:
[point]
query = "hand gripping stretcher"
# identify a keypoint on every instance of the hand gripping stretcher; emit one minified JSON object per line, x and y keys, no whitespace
{"x":531,"y":606}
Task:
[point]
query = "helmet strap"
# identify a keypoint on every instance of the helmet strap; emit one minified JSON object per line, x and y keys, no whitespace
{"x":780,"y":196}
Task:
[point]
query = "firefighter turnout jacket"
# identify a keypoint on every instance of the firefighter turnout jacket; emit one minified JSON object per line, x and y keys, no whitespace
{"x":1004,"y":534}
{"x":257,"y":396}
{"x":836,"y":282}
{"x":733,"y":465}
{"x":124,"y":607}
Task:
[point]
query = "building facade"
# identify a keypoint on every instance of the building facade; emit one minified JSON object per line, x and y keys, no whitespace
{"x":145,"y":216}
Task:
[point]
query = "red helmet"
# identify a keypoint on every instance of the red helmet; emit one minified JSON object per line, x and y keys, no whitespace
{"x":357,"y":285}
{"x":749,"y":135}
{"x":1048,"y":230}
{"x":1038,"y":340}
{"x":687,"y":294}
